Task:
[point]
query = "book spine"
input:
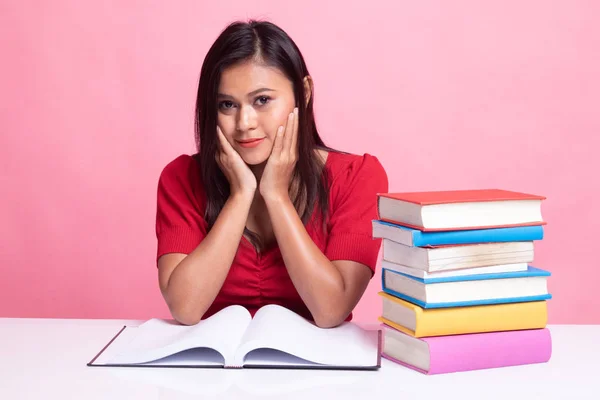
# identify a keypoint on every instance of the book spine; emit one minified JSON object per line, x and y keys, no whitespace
{"x":461,"y":228}
{"x":488,"y":350}
{"x":518,"y":234}
{"x":466,"y":303}
{"x":530,"y":272}
{"x":479,"y":319}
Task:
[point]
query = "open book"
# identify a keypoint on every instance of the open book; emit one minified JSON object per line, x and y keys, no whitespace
{"x":275,"y":338}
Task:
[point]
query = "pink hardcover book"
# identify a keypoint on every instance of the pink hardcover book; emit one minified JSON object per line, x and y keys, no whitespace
{"x":468,"y":352}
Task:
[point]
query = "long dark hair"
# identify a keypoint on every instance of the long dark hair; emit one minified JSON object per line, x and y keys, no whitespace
{"x":269,"y":44}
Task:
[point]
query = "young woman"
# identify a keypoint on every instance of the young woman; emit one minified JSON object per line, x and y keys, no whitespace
{"x":264,"y":213}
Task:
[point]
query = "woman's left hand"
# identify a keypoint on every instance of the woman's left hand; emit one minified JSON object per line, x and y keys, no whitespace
{"x":275,"y":180}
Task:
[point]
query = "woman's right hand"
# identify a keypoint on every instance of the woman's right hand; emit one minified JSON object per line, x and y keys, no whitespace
{"x":240,"y":177}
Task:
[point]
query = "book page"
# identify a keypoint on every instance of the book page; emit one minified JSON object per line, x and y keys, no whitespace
{"x":158,"y":339}
{"x":275,"y":327}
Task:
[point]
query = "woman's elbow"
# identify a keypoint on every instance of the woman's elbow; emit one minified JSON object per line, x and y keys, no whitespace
{"x":186,"y":315}
{"x":329,"y":320}
{"x":185,"y":319}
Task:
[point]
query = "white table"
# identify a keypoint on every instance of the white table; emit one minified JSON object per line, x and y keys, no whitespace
{"x":46,"y":359}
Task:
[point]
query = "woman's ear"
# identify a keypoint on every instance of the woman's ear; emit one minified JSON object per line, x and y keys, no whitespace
{"x":308,"y":89}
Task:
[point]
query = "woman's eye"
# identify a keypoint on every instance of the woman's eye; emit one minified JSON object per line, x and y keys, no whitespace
{"x":262,"y":100}
{"x":226,"y":104}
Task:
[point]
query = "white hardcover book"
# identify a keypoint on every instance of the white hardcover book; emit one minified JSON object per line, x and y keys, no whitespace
{"x":275,"y":338}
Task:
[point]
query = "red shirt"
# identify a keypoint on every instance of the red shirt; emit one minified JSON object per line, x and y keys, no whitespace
{"x":256,"y":279}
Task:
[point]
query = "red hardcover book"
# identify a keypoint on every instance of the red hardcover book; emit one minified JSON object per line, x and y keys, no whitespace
{"x":460,"y":209}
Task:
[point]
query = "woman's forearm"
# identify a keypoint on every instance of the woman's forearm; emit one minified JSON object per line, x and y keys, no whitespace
{"x":317,"y":280}
{"x":198,"y":278}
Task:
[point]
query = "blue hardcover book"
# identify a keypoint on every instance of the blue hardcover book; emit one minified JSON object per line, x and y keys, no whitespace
{"x":416,"y":238}
{"x":468,"y":290}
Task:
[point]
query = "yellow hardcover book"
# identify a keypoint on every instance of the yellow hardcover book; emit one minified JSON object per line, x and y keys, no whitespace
{"x":419,"y":322}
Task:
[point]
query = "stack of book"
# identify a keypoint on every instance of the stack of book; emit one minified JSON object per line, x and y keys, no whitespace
{"x":459,"y":292}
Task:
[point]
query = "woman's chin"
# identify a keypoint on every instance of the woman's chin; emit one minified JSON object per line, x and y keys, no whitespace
{"x":254,"y":159}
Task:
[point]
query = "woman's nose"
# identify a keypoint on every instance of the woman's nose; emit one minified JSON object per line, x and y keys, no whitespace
{"x":246,"y":119}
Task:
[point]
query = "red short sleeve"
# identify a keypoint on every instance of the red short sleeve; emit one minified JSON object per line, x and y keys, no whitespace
{"x":180,"y":225}
{"x":353,"y":206}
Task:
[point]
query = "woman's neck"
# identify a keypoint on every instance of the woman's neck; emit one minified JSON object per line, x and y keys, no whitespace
{"x":258,"y":170}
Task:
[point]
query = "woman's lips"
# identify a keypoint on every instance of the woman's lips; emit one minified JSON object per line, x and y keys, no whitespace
{"x":251,"y":143}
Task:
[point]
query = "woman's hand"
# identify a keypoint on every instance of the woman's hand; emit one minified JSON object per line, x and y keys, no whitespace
{"x":275,"y":180}
{"x":240,"y":177}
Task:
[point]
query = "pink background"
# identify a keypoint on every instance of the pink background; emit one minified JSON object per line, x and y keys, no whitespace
{"x":96,"y":99}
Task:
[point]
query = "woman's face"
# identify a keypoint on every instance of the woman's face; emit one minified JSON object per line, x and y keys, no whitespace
{"x":253,"y":101}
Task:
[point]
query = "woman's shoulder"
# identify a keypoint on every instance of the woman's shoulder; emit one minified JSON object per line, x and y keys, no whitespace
{"x":182,"y":166}
{"x":179,"y":165}
{"x":344,"y":167}
{"x":182,"y":171}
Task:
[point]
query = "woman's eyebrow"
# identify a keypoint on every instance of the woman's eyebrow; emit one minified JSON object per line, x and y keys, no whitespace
{"x":252,"y":93}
